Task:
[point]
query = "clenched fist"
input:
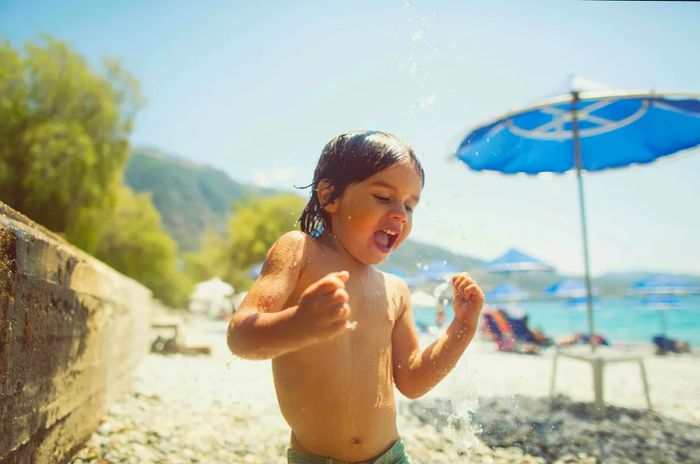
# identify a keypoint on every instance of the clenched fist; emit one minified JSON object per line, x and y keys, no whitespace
{"x":468,"y":299}
{"x":323,"y":309}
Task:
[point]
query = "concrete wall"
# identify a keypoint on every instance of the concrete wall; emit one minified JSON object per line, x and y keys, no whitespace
{"x":71,"y":331}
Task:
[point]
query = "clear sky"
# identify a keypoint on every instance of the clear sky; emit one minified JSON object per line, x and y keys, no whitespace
{"x":257,"y":89}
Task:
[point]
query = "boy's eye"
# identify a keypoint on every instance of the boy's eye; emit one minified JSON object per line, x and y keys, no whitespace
{"x":381,"y":198}
{"x":409,"y":208}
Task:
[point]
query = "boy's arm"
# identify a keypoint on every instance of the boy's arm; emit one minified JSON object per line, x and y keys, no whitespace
{"x":261,"y":329}
{"x":416,"y":372}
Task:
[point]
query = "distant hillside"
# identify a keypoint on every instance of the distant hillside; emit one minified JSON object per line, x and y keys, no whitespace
{"x":189,"y":197}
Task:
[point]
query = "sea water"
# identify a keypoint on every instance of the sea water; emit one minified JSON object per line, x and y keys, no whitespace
{"x":620,"y":319}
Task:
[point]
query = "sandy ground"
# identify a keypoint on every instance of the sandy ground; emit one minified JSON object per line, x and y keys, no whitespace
{"x":221,"y":408}
{"x":483,"y":372}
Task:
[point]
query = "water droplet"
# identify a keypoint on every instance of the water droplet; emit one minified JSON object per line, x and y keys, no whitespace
{"x":418,"y":35}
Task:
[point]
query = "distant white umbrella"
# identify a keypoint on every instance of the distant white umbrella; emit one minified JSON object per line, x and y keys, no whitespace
{"x":212,"y":297}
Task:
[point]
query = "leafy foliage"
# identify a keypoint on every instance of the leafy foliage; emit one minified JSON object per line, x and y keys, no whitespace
{"x":63,"y":137}
{"x":211,"y":260}
{"x":134,"y":243}
{"x":258,"y":222}
{"x":63,"y":146}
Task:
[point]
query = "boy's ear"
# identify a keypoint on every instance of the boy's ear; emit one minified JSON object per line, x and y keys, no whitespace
{"x":324,"y":192}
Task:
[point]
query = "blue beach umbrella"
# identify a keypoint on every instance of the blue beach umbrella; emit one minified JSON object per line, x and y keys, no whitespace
{"x":506,"y":292}
{"x":572,"y":290}
{"x":661,"y":292}
{"x":585,"y":130}
{"x":567,"y":288}
{"x":664,"y":284}
{"x":515,"y":260}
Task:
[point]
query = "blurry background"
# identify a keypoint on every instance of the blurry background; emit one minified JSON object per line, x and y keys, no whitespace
{"x":159,"y":136}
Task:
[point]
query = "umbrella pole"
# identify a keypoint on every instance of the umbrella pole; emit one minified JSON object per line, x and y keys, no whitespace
{"x":582,"y":209}
{"x":663,"y":322}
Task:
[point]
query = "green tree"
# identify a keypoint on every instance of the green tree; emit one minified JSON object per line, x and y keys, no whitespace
{"x":211,"y":260}
{"x":256,"y":224}
{"x":133,"y":242}
{"x":63,"y":137}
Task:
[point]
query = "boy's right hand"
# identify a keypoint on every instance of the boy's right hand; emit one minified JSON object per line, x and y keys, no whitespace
{"x":323,"y":309}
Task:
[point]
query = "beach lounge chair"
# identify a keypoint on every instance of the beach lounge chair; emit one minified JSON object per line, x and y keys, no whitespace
{"x":582,"y":339}
{"x":497,"y":325}
{"x":523,"y":333}
{"x":668,"y":345}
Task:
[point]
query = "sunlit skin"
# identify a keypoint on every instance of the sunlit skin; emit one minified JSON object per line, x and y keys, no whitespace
{"x":335,"y":385}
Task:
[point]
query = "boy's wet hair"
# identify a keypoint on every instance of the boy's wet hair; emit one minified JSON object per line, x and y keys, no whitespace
{"x":348,"y":159}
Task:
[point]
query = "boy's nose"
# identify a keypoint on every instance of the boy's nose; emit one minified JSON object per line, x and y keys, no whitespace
{"x":399,"y":213}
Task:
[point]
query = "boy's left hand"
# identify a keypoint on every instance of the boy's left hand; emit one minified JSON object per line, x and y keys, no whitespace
{"x":468,"y":299}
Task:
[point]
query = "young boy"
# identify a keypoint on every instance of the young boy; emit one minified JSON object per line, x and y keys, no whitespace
{"x":340,"y":333}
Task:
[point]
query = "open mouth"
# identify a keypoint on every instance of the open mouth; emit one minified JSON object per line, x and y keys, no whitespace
{"x":385,"y":239}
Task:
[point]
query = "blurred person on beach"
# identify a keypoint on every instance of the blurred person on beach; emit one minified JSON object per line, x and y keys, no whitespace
{"x":341,"y":333}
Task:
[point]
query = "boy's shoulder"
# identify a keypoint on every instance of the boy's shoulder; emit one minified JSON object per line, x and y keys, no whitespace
{"x":287,"y":249}
{"x":291,"y":239}
{"x":297,"y":243}
{"x":296,"y":248}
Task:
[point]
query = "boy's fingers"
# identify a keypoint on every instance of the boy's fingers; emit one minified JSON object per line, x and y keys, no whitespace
{"x":341,"y":295}
{"x":328,"y":284}
{"x":463,"y":286}
{"x":342,"y":275}
{"x":340,"y":317}
{"x":470,"y":289}
{"x":344,"y":311}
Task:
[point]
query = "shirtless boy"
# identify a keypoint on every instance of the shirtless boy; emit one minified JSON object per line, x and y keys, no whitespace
{"x":340,"y":333}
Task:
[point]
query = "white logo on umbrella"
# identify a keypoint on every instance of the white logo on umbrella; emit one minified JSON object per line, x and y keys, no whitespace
{"x":555,"y":129}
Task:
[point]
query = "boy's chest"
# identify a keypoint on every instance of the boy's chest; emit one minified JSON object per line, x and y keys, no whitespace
{"x":374,"y":302}
{"x":373,"y":305}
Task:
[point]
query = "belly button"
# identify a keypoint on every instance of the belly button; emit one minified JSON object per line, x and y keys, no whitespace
{"x":355,"y":441}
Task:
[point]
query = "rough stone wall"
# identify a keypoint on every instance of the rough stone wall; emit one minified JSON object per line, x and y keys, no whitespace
{"x":71,"y":331}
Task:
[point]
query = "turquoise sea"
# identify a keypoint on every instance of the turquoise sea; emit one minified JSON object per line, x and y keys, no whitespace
{"x":622,"y":319}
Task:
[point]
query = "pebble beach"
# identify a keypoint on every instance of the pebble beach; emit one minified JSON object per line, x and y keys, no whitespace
{"x":493,"y":408}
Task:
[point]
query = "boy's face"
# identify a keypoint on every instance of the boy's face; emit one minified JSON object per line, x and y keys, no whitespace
{"x":373,"y":217}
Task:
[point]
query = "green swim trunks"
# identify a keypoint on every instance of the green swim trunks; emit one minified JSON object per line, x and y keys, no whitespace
{"x":395,"y":455}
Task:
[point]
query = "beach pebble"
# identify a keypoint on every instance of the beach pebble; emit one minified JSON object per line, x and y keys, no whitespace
{"x":564,"y":431}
